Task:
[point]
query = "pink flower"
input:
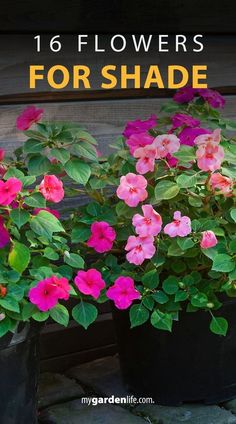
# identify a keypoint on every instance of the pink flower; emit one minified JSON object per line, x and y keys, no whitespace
{"x":4,"y":235}
{"x":123,"y":292}
{"x":52,"y":188}
{"x":181,"y":119}
{"x":188,"y":135}
{"x":146,"y":162}
{"x":102,"y":237}
{"x":2,"y":154}
{"x":52,"y":211}
{"x":139,"y":126}
{"x":139,"y":249}
{"x":166,"y":144}
{"x":208,"y":239}
{"x":222,"y":183}
{"x":149,"y":224}
{"x":132,"y":189}
{"x":46,"y":293}
{"x":29,"y":116}
{"x":9,"y":190}
{"x":3,"y":171}
{"x":90,"y":282}
{"x":184,"y":95}
{"x":138,"y":140}
{"x":212,"y":97}
{"x":209,"y":154}
{"x":181,"y":226}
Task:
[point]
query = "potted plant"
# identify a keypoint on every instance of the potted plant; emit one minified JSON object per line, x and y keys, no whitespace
{"x":162,"y":222}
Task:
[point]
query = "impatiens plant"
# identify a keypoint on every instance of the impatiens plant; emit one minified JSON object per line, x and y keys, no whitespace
{"x":151,"y":228}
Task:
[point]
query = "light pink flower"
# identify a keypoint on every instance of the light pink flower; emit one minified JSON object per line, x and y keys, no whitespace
{"x":52,"y":211}
{"x":29,"y":116}
{"x":9,"y":190}
{"x":90,"y":282}
{"x":139,"y":126}
{"x":4,"y":235}
{"x":138,"y":140}
{"x":166,"y":144}
{"x":139,"y":249}
{"x":146,"y":162}
{"x":209,"y":156}
{"x":181,"y":119}
{"x":52,"y":188}
{"x":149,"y":224}
{"x":181,"y":226}
{"x":2,"y":154}
{"x":102,"y":237}
{"x":46,"y":293}
{"x":123,"y":292}
{"x":208,"y":239}
{"x":132,"y":189}
{"x":221,"y":183}
{"x":188,"y":135}
{"x":213,"y":137}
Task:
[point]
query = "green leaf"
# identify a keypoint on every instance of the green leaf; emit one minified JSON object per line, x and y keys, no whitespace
{"x":19,"y":257}
{"x":84,"y":313}
{"x":85,"y":136}
{"x":85,"y":150}
{"x":162,"y":321}
{"x":19,"y":217}
{"x":181,"y":296}
{"x":170,"y":285}
{"x":185,"y":243}
{"x":13,"y":172}
{"x":80,"y":233}
{"x":28,"y":180}
{"x":10,"y":304}
{"x":151,"y":279}
{"x":223,"y":263}
{"x":185,"y":154}
{"x":40,"y":316}
{"x":51,"y":254}
{"x":77,"y":170}
{"x":33,"y":146}
{"x":138,"y":315}
{"x":199,"y":300}
{"x":160,"y":297}
{"x":5,"y":326}
{"x":165,"y":190}
{"x":233,"y":214}
{"x":28,"y":310}
{"x":38,"y":165}
{"x":219,"y":326}
{"x":74,"y":260}
{"x":60,"y":314}
{"x":185,"y":180}
{"x":149,"y":302}
{"x":45,"y":224}
{"x":62,"y":155}
{"x":36,"y":200}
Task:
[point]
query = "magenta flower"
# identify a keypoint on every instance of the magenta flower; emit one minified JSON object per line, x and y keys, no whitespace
{"x":132,"y":189}
{"x":184,"y":95}
{"x":52,"y":211}
{"x":149,"y":224}
{"x":102,"y":237}
{"x":138,"y":140}
{"x":9,"y":190}
{"x":139,"y":126}
{"x":123,"y":292}
{"x":146,"y":156}
{"x":2,"y":154}
{"x":208,"y":239}
{"x":90,"y":282}
{"x":212,"y":97}
{"x":221,"y":183}
{"x":166,"y":144}
{"x":46,"y":293}
{"x":172,"y":161}
{"x":4,"y":235}
{"x":188,"y":135}
{"x":181,"y":226}
{"x":181,"y":119}
{"x":139,"y":249}
{"x":52,"y":188}
{"x":29,"y":116}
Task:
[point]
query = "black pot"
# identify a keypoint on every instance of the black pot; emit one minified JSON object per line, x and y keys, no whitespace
{"x":19,"y":369}
{"x":188,"y":365}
